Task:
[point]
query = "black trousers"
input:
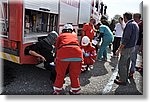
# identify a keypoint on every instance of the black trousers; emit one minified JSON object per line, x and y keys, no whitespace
{"x":116,"y":44}
{"x":52,"y":70}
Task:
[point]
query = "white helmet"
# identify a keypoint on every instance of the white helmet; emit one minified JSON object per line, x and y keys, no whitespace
{"x":68,"y":26}
{"x":85,"y":41}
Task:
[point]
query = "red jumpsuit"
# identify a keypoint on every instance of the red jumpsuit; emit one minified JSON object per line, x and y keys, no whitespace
{"x":89,"y":54}
{"x":69,"y":55}
{"x":89,"y":31}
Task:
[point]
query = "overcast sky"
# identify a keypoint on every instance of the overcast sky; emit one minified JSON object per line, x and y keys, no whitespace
{"x":121,"y":6}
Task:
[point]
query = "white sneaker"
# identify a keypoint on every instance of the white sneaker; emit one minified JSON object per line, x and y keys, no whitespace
{"x":91,"y":66}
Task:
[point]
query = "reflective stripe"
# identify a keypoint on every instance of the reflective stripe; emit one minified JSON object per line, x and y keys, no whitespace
{"x":75,"y":89}
{"x":93,"y":59}
{"x":10,"y":57}
{"x":72,"y":59}
{"x":56,"y":88}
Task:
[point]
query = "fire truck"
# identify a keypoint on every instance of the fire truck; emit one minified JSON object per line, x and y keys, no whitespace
{"x":24,"y":22}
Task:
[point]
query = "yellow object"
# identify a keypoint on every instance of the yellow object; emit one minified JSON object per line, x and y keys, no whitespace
{"x":10,"y":57}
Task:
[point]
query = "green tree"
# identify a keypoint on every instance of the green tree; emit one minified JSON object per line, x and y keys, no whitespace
{"x":116,"y":17}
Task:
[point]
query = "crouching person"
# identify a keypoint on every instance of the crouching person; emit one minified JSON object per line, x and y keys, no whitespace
{"x":44,"y":50}
{"x":89,"y":54}
{"x":69,"y":56}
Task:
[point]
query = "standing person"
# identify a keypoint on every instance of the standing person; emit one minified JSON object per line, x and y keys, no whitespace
{"x":44,"y":50}
{"x":89,"y":53}
{"x":129,"y":40}
{"x":112,"y":25}
{"x":88,"y":29}
{"x":137,"y":18}
{"x":69,"y":56}
{"x":107,"y":38}
{"x":118,"y":34}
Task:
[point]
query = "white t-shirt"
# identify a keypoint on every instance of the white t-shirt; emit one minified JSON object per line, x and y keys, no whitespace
{"x":119,"y":29}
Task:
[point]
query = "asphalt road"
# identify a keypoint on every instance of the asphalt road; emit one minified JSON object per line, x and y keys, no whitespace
{"x":35,"y":80}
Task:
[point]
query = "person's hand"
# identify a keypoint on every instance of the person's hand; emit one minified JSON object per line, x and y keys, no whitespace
{"x":41,"y":59}
{"x":118,"y":52}
{"x":114,"y":32}
{"x":141,"y":48}
{"x":86,"y":55}
{"x":55,"y":60}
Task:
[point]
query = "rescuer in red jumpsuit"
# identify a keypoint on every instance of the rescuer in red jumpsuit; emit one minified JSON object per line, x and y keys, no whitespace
{"x":88,"y":29}
{"x":89,"y":53}
{"x":68,"y":56}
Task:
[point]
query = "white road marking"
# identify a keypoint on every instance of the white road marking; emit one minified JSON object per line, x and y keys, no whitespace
{"x":108,"y":87}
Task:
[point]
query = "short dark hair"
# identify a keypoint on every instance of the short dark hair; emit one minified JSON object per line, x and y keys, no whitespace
{"x":99,"y":24}
{"x":137,"y":15}
{"x":128,"y":15}
{"x":121,"y":18}
{"x":92,"y":19}
{"x":105,"y":22}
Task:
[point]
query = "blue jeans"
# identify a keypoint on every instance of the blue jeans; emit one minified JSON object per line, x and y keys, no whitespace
{"x":133,"y":58}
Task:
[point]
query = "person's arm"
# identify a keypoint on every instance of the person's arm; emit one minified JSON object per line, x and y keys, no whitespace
{"x":33,"y":53}
{"x":84,"y":30}
{"x":93,"y":53}
{"x":119,"y":49}
{"x":141,"y":46}
{"x":57,"y":43}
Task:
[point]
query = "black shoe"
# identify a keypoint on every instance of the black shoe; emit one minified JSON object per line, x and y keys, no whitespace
{"x":56,"y":93}
{"x":117,"y":77}
{"x":74,"y":93}
{"x":87,"y":68}
{"x":119,"y":82}
{"x":104,"y":59}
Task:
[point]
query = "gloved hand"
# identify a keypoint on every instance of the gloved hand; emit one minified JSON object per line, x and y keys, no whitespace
{"x":86,"y":54}
{"x":52,"y":64}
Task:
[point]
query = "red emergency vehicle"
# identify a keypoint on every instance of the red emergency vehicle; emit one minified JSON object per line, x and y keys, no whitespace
{"x":24,"y":22}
